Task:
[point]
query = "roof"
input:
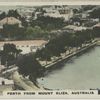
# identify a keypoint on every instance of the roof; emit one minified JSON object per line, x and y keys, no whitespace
{"x":76,"y":28}
{"x":97,"y":25}
{"x":10,"y":20}
{"x":7,"y":82}
{"x":25,"y":42}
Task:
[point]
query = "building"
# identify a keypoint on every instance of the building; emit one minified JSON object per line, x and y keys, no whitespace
{"x":75,"y":28}
{"x":10,"y":21}
{"x":1,"y":67}
{"x":97,"y":25}
{"x":26,"y":46}
{"x":58,"y":12}
{"x":6,"y":84}
{"x":26,"y":11}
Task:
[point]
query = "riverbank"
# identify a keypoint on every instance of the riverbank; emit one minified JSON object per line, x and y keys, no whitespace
{"x":26,"y":84}
{"x":80,"y":72}
{"x":71,"y":54}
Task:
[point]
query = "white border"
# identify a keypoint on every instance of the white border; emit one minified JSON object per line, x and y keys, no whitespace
{"x":71,"y":2}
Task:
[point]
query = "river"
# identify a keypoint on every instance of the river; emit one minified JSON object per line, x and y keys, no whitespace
{"x":79,"y":72}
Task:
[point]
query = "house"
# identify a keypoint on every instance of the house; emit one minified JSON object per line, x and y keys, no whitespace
{"x":26,"y":11}
{"x":96,"y":25}
{"x":37,"y":14}
{"x":58,"y":12}
{"x":10,"y":21}
{"x":1,"y":67}
{"x":6,"y":84}
{"x":75,"y":28}
{"x":26,"y":46}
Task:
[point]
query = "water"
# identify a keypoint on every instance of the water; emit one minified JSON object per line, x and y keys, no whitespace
{"x":82,"y":72}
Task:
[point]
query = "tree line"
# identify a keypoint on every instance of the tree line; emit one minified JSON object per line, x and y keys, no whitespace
{"x":33,"y":29}
{"x":64,"y":42}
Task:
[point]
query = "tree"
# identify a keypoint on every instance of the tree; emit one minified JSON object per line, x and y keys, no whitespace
{"x":13,"y":13}
{"x":75,"y":11}
{"x":9,"y":30}
{"x":2,"y":15}
{"x":96,"y":31}
{"x":13,"y":32}
{"x":95,"y":13}
{"x":9,"y":54}
{"x":24,"y":22}
{"x":43,"y":54}
{"x":29,"y":66}
{"x":87,"y":7}
{"x":58,"y":44}
{"x":34,"y":32}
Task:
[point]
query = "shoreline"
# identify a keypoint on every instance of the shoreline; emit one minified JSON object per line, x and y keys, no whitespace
{"x":73,"y":53}
{"x":28,"y":85}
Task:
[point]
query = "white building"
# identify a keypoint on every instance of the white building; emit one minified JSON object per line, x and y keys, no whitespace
{"x":6,"y":85}
{"x":26,"y":46}
{"x":1,"y":67}
{"x":59,"y":11}
{"x":26,"y":12}
{"x":75,"y":28}
{"x":97,"y":25}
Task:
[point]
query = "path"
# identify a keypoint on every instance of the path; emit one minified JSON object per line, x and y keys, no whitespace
{"x":70,"y":55}
{"x":23,"y":83}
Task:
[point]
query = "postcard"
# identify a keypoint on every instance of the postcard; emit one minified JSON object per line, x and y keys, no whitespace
{"x":50,"y":49}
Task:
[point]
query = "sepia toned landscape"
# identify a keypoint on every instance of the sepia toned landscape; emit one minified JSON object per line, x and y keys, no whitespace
{"x":50,"y":47}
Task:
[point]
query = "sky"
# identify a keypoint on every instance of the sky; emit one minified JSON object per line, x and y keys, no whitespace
{"x":41,"y":0}
{"x":51,"y":2}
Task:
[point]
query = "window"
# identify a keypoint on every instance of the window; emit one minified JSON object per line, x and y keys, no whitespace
{"x":3,"y":82}
{"x":22,"y":46}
